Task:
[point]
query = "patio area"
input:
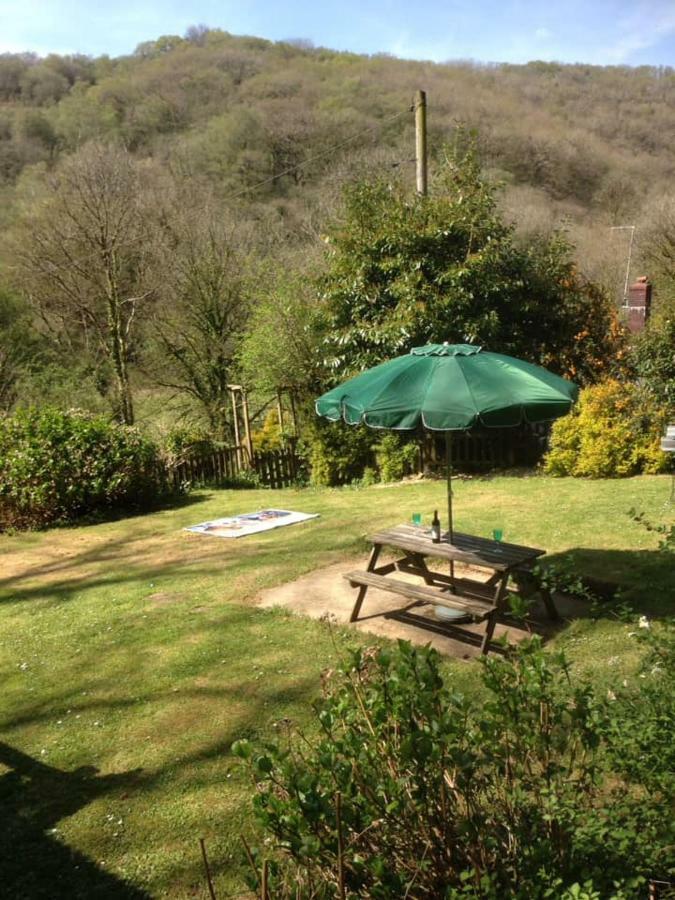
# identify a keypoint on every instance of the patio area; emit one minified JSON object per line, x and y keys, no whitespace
{"x":326,"y":594}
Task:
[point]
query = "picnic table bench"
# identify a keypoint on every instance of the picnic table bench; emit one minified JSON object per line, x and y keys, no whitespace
{"x":481,"y":600}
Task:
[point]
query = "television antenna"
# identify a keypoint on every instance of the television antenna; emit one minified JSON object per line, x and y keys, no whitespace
{"x":630,"y":228}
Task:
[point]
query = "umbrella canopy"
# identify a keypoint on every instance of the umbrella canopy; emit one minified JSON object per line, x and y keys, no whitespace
{"x":449,"y":387}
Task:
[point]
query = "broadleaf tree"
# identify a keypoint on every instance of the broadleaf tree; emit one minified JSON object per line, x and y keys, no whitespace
{"x":81,"y":252}
{"x":405,"y":270}
{"x":207,"y":283}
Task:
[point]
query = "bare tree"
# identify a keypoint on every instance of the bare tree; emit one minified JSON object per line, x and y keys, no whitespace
{"x":207,"y":285}
{"x":81,"y":257}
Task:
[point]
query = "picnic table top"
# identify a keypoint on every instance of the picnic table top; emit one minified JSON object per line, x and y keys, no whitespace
{"x":499,"y":556}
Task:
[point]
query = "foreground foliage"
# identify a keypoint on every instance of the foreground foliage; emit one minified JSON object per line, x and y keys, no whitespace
{"x":546,"y":790}
{"x":653,"y":359}
{"x":58,"y":466}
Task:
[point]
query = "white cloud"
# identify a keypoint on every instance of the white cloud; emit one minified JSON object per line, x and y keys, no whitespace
{"x":542,"y":34}
{"x":648,"y":26}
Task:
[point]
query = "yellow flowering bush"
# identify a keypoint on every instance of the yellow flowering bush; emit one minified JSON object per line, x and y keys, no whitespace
{"x":614,"y":431}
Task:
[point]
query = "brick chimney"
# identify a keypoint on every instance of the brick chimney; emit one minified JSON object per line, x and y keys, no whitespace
{"x":638,"y":304}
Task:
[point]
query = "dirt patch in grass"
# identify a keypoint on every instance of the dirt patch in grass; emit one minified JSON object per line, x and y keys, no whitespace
{"x":164,"y":598}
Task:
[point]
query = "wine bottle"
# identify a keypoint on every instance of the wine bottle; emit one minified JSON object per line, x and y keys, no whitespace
{"x":436,"y":528}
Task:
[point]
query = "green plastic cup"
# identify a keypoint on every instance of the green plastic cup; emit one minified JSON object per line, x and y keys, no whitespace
{"x":497,"y":534}
{"x":417,"y":518}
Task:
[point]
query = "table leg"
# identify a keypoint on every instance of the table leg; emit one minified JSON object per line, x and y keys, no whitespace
{"x":549,"y":604}
{"x":491,"y":620}
{"x":372,"y":562}
{"x":421,"y":563}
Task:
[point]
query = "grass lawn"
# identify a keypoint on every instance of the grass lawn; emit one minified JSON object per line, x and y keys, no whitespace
{"x":131,"y":659}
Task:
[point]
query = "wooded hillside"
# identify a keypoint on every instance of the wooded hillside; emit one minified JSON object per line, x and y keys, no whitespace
{"x":238,"y":110}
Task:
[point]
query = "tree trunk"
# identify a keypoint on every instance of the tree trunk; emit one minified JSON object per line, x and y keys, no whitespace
{"x":118,"y":345}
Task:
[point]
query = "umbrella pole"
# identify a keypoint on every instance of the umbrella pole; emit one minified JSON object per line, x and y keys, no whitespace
{"x":448,"y":468}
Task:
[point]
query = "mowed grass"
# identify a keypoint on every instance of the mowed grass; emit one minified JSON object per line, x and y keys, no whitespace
{"x":131,"y":658}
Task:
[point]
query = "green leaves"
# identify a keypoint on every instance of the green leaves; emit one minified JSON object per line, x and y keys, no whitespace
{"x":532,"y":791}
{"x":406,"y":270}
{"x":57,"y":466}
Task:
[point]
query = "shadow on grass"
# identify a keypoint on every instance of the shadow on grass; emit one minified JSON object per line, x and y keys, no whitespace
{"x":34,"y":797}
{"x":117,"y":562}
{"x":124,"y":560}
{"x":645,"y":578}
{"x":165,"y":503}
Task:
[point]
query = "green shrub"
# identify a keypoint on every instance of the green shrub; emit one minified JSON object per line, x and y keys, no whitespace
{"x":342,"y":454}
{"x":411,"y":790}
{"x":338,"y":453}
{"x":614,"y":430}
{"x":268,"y":436}
{"x":186,"y":441}
{"x":58,"y":466}
{"x":394,"y":457}
{"x":652,"y":357}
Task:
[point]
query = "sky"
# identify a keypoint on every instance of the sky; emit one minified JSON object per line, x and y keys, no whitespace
{"x":602,"y":32}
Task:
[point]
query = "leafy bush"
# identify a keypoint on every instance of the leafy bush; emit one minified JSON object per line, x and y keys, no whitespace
{"x":344,"y":454}
{"x":57,"y":466}
{"x":666,"y":532}
{"x":185,"y":441}
{"x":615,"y":430}
{"x":653,"y":359}
{"x":268,"y":436}
{"x":338,"y":453}
{"x":412,"y":790}
{"x":639,"y":737}
{"x":394,"y":457}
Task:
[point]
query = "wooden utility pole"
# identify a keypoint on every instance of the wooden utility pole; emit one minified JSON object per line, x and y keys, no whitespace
{"x":294,"y":418}
{"x":238,"y":390}
{"x":421,"y":141}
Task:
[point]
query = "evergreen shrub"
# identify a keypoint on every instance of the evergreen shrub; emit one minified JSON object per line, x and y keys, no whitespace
{"x":338,"y":453}
{"x":615,"y":430}
{"x":57,"y":466}
{"x":395,"y":457}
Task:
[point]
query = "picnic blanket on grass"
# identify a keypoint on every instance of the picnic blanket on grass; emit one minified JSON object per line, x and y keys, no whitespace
{"x":251,"y":523}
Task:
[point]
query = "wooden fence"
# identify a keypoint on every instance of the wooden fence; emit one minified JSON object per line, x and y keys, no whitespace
{"x":275,"y":468}
{"x":489,"y":448}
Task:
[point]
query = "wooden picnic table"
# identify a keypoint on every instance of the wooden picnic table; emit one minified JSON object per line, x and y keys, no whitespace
{"x":481,"y":600}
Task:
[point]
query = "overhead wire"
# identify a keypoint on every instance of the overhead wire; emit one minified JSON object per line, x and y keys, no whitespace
{"x":323,"y":153}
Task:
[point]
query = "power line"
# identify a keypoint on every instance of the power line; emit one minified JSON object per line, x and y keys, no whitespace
{"x":322,"y":154}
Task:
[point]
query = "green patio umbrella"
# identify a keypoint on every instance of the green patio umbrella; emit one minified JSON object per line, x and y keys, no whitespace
{"x":449,"y":387}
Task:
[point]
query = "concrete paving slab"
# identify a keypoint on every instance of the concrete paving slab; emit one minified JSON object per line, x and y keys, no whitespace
{"x":326,"y":593}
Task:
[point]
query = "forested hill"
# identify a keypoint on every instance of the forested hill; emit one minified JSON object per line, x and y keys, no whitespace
{"x":579,"y":141}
